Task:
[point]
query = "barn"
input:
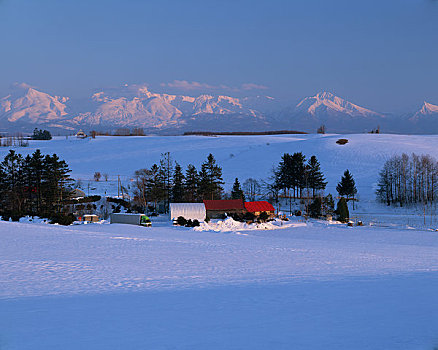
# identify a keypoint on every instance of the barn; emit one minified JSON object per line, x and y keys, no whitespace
{"x":260,"y":206}
{"x":216,"y":209}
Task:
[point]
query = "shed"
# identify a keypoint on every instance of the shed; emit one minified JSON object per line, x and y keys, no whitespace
{"x":260,"y":206}
{"x":90,"y":218}
{"x":188,"y":211}
{"x":217,"y":208}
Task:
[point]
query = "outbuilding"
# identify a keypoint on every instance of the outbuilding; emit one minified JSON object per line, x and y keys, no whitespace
{"x":216,"y":209}
{"x":90,"y":218}
{"x":192,"y":211}
{"x":260,"y":206}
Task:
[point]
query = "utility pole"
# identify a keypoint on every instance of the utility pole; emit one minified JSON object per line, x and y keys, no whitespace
{"x":118,"y":186}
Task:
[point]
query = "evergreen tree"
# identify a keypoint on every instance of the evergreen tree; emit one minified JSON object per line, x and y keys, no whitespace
{"x":56,"y":184}
{"x":211,"y":182}
{"x":41,"y":135}
{"x":191,"y":184}
{"x":35,"y":185}
{"x":315,"y":177}
{"x":237,"y":192}
{"x":13,"y":184}
{"x":315,"y":208}
{"x":178,"y":185}
{"x":342,"y":210}
{"x":166,"y":171}
{"x":329,"y":204}
{"x":298,"y":172}
{"x":156,"y":185}
{"x":347,"y":187}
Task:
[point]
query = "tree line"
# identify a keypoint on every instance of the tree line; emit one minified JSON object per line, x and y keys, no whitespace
{"x":168,"y":182}
{"x":294,"y":177}
{"x":35,"y":185}
{"x":408,"y":180}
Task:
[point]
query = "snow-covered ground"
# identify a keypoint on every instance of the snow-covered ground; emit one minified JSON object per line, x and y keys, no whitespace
{"x":305,"y":285}
{"x":240,"y":156}
{"x":310,"y":285}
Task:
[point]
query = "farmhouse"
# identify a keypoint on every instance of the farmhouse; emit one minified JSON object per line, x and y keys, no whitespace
{"x":216,"y":209}
{"x":260,"y":206}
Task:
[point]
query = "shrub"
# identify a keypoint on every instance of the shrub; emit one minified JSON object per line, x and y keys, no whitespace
{"x":249,"y":216}
{"x":315,"y":208}
{"x":189,"y":223}
{"x":121,"y":201}
{"x":62,"y":219}
{"x":237,"y":217}
{"x":41,"y":135}
{"x":263,"y":216}
{"x":195,"y":223}
{"x":342,"y":210}
{"x":342,"y":141}
{"x":207,"y":219}
{"x":181,"y":221}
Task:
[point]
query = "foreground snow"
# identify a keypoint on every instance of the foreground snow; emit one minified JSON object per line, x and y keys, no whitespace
{"x":307,"y":286}
{"x":46,"y":259}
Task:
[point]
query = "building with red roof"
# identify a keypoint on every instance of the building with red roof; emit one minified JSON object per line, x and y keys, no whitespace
{"x":260,"y":206}
{"x":218,"y":208}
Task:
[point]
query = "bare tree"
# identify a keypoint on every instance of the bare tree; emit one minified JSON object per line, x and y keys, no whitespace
{"x":251,"y":188}
{"x":97,"y":176}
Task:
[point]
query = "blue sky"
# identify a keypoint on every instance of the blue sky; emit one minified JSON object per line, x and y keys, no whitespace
{"x":379,"y":54}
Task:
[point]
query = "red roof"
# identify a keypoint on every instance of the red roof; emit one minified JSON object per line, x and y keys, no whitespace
{"x":228,"y":204}
{"x":252,"y":207}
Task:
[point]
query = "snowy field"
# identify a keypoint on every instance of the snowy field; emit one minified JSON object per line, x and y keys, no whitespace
{"x":308,"y":286}
{"x":305,"y":285}
{"x":239,"y":156}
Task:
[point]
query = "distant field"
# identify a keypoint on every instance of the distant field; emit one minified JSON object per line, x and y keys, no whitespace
{"x":239,"y":156}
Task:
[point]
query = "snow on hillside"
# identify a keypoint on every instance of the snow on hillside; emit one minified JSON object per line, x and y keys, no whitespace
{"x":240,"y":156}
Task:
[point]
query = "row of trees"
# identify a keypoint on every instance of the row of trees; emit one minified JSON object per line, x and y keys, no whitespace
{"x":408,"y":180}
{"x":33,"y":185}
{"x":168,"y":182}
{"x":293,"y":175}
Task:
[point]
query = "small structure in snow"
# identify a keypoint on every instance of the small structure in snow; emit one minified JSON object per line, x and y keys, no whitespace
{"x":90,"y":218}
{"x":260,"y":206}
{"x":217,"y":208}
{"x":81,"y":135}
{"x":192,"y":211}
{"x":77,"y":193}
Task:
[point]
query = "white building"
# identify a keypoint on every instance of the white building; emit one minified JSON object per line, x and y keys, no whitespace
{"x":188,"y":211}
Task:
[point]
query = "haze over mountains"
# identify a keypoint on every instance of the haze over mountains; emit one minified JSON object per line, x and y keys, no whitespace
{"x":135,"y":106}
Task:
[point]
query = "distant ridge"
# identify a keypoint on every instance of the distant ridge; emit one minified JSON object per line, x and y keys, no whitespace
{"x":137,"y":107}
{"x":235,"y":133}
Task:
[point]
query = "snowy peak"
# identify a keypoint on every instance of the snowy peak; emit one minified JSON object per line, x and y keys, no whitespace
{"x":326,"y":102}
{"x":26,"y":104}
{"x":428,"y":108}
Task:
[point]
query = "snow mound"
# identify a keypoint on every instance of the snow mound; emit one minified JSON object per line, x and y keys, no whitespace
{"x":230,"y":225}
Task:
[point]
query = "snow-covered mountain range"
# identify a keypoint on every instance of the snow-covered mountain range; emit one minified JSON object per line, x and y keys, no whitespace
{"x":135,"y":106}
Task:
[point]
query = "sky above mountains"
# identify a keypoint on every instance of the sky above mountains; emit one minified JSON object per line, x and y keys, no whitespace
{"x":381,"y":54}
